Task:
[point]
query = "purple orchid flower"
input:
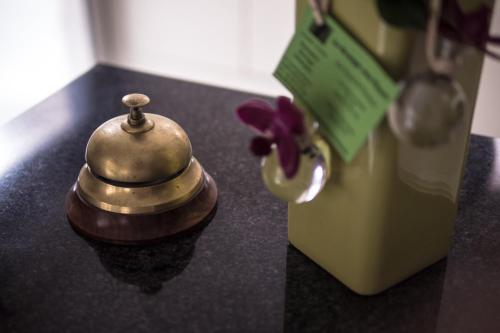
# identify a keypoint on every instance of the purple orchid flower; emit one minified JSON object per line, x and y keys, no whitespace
{"x":279,"y":127}
{"x":469,"y":28}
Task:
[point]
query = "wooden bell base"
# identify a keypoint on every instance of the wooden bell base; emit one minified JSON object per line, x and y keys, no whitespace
{"x":138,"y":229}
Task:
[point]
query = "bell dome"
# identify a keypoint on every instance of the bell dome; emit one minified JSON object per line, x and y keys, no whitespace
{"x":150,"y":148}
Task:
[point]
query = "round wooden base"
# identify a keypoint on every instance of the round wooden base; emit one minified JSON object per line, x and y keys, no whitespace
{"x":117,"y":228}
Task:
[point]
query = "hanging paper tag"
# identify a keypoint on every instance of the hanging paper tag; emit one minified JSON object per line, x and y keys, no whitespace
{"x":335,"y":78}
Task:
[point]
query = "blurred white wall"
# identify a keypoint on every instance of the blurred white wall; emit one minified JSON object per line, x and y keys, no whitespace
{"x":229,"y":43}
{"x":487,"y":114}
{"x":45,"y":45}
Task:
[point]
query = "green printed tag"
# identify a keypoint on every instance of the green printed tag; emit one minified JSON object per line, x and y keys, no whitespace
{"x":335,"y":78}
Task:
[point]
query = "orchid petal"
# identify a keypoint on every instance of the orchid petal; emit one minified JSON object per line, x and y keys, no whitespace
{"x":288,"y":150}
{"x":256,"y":113}
{"x":494,"y":39}
{"x":475,"y":26}
{"x":261,"y":146}
{"x":470,"y":28}
{"x":492,"y":54}
{"x":290,"y":115}
{"x":288,"y":153}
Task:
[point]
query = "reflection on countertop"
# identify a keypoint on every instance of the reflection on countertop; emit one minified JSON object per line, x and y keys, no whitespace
{"x":149,"y":266}
{"x":316,"y":302}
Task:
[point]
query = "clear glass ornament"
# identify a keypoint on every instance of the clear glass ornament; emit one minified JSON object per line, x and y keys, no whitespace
{"x":430,"y":110}
{"x":311,"y":177}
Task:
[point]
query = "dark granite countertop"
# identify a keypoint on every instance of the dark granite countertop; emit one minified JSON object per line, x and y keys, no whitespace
{"x":238,"y":274}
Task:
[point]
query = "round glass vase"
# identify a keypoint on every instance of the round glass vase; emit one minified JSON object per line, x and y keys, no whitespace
{"x":312,"y":175}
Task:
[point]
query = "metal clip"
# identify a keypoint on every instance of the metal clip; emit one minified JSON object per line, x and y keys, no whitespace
{"x":319,"y":8}
{"x":436,"y":64}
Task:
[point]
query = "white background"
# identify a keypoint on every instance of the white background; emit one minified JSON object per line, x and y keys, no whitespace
{"x":44,"y":45}
{"x":229,"y":43}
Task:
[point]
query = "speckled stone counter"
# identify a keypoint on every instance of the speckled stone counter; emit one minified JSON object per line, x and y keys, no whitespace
{"x":238,"y":274}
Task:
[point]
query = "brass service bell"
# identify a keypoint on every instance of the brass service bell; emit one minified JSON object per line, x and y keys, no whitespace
{"x":141,"y":182}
